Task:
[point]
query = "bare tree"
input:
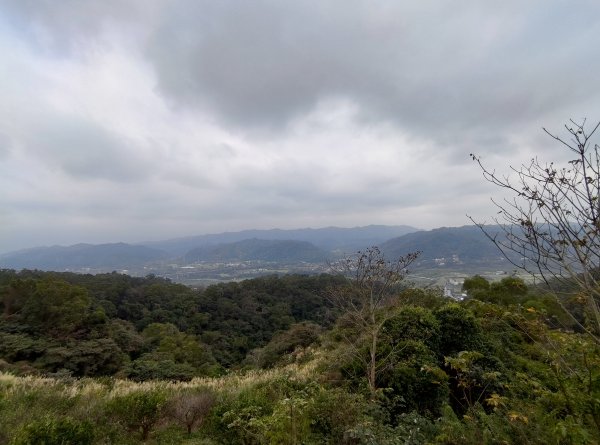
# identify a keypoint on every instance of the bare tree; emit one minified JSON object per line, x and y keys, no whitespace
{"x":369,"y":291}
{"x":191,"y":408}
{"x":550,"y":224}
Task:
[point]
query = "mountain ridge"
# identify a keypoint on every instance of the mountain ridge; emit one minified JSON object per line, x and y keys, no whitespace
{"x":459,"y":245}
{"x":328,"y":238}
{"x":465,"y":247}
{"x":108,"y":255}
{"x":259,"y":250}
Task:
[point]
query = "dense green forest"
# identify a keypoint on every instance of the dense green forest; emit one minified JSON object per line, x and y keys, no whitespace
{"x":143,"y":328}
{"x":98,"y":359}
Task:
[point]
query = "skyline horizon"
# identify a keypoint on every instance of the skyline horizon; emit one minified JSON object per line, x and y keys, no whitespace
{"x":149,"y":242}
{"x":138,"y":120}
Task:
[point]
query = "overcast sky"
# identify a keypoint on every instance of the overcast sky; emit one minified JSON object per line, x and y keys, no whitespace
{"x":132,"y":120}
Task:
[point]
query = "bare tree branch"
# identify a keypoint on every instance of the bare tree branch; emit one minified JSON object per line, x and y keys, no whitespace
{"x":550,"y":227}
{"x":370,"y":290}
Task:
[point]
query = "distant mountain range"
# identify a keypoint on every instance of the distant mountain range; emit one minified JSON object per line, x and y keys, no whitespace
{"x":94,"y":256}
{"x":443,"y":247}
{"x":467,"y":245}
{"x":327,"y":238}
{"x":276,"y":245}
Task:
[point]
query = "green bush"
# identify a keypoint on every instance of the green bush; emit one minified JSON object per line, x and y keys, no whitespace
{"x":414,"y":382}
{"x":332,"y":413}
{"x":460,"y":330}
{"x":413,"y":323}
{"x":427,"y":298}
{"x":507,"y":291}
{"x":476,"y":282}
{"x":51,"y":431}
{"x":138,"y":410}
{"x":234,"y":418}
{"x":148,"y":367}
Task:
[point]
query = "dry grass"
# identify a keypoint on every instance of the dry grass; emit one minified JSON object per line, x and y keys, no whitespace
{"x":90,"y":388}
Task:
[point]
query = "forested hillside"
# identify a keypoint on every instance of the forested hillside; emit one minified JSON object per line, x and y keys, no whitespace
{"x":260,"y":250}
{"x":271,"y":360}
{"x":141,"y":328}
{"x":465,"y":245}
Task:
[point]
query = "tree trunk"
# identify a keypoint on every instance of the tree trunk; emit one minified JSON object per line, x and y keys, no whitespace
{"x":373,"y":365}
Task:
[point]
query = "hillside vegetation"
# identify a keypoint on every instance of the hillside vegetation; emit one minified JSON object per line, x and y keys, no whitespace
{"x":260,"y":250}
{"x":114,"y":359}
{"x":467,"y":244}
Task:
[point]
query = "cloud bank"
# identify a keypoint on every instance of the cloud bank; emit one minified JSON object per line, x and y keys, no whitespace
{"x":132,"y":120}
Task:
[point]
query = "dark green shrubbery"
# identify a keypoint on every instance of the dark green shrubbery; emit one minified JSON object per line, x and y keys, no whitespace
{"x":425,"y":362}
{"x":413,"y":323}
{"x":507,"y":291}
{"x":459,"y":330}
{"x":414,"y":382}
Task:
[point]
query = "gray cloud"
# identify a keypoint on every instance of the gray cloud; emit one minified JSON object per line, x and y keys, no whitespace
{"x":441,"y":68}
{"x":5,"y":145}
{"x":67,"y":27}
{"x":144,"y":116}
{"x":85,"y":150}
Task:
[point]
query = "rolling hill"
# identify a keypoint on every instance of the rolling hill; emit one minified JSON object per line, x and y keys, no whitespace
{"x":327,"y":238}
{"x":259,"y":250}
{"x":80,"y":256}
{"x":465,"y":245}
